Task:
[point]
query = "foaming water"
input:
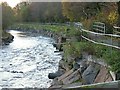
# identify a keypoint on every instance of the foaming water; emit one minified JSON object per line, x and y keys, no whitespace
{"x":27,"y":61}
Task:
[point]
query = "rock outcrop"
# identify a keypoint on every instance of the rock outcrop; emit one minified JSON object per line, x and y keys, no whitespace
{"x":6,"y":38}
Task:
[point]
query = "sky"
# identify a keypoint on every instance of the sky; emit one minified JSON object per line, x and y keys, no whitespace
{"x":11,"y":3}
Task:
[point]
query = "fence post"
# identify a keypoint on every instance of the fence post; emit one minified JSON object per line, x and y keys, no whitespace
{"x":104,"y":28}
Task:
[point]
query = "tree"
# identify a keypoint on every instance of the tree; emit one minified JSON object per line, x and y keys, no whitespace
{"x":77,"y":11}
{"x":7,"y":19}
{"x":7,"y":15}
{"x":118,"y":13}
{"x":39,"y":12}
{"x":22,"y":12}
{"x":80,"y":11}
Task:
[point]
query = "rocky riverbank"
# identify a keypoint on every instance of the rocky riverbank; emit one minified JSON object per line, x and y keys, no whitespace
{"x":84,"y":71}
{"x":6,"y":38}
{"x":79,"y":67}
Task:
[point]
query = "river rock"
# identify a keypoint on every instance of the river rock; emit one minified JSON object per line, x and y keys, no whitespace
{"x":76,"y":66}
{"x":54,"y":75}
{"x":90,"y":73}
{"x":118,"y":76}
{"x":72,"y":77}
{"x":83,"y":66}
{"x":103,"y":75}
{"x":63,"y":65}
{"x":65,"y":75}
{"x":78,"y":59}
{"x":7,"y":40}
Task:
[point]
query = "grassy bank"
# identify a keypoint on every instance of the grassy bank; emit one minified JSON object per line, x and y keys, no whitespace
{"x":57,"y":28}
{"x":108,"y":54}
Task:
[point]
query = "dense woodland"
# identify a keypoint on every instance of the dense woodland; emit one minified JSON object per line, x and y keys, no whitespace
{"x":108,"y":12}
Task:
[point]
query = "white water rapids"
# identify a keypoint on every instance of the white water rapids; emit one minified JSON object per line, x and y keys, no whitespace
{"x":27,"y":61}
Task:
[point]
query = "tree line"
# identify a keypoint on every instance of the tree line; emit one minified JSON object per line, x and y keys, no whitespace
{"x":60,"y":12}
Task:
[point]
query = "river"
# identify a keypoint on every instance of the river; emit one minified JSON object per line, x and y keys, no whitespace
{"x":27,"y":61}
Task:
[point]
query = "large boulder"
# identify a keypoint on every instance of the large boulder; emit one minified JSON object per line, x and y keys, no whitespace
{"x":90,"y":73}
{"x":73,"y":77}
{"x":54,"y":75}
{"x":6,"y":38}
{"x":69,"y":77}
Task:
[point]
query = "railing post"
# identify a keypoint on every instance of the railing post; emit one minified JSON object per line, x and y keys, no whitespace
{"x":104,"y":28}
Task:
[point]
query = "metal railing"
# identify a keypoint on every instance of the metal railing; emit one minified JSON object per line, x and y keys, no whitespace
{"x":116,"y":30}
{"x":99,"y":26}
{"x":110,"y":40}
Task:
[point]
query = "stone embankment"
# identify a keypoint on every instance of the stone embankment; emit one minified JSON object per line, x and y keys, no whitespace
{"x":84,"y":72}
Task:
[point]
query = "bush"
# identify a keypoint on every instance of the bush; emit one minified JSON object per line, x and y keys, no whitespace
{"x":75,"y":49}
{"x":112,"y":57}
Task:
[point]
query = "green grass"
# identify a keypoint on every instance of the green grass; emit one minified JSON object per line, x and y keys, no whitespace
{"x":59,"y":28}
{"x":38,"y":26}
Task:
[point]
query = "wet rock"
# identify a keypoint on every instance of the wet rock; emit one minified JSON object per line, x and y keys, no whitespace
{"x":20,"y":72}
{"x":90,"y":73}
{"x":83,"y":66}
{"x":54,"y":75}
{"x":76,"y":66}
{"x":67,"y":78}
{"x":7,"y":40}
{"x":54,"y":44}
{"x":56,"y":51}
{"x":63,"y":39}
{"x":118,"y":76}
{"x":78,"y":59}
{"x":16,"y":72}
{"x":10,"y":64}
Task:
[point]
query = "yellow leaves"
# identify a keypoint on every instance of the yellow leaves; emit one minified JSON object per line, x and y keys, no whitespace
{"x":113,"y":17}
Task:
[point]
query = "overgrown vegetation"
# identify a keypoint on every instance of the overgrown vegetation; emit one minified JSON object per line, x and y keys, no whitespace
{"x":110,"y":55}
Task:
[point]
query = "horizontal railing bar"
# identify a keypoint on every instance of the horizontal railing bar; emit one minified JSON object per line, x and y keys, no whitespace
{"x":99,"y":23}
{"x":98,"y":29}
{"x":116,"y":27}
{"x":100,"y":43}
{"x":113,"y":35}
{"x":99,"y":26}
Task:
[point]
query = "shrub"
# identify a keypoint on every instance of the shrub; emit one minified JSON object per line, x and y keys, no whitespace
{"x":111,"y":56}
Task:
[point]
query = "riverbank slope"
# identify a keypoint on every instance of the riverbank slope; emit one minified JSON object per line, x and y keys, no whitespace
{"x":81,"y":63}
